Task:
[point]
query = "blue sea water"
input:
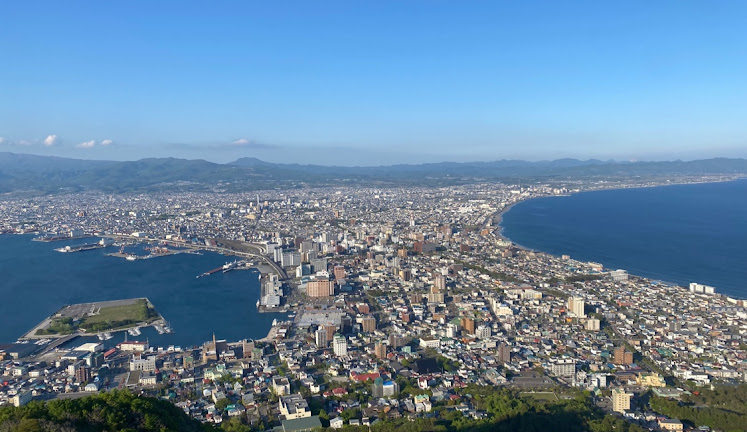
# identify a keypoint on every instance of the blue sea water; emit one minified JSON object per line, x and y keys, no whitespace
{"x":37,"y":281}
{"x":679,"y":233}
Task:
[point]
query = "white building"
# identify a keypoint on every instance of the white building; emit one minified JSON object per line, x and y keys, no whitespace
{"x":576,"y":306}
{"x":143,"y":364}
{"x":340,"y":345}
{"x":483,"y":332}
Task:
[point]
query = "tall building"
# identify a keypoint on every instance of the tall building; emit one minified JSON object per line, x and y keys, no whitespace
{"x":380,"y":350}
{"x":576,"y":306}
{"x":82,"y":373}
{"x":483,"y":331}
{"x":451,"y":330}
{"x":504,"y":353}
{"x":381,"y":388}
{"x":621,"y":356}
{"x":290,"y":258}
{"x":340,"y":345}
{"x":320,"y":337}
{"x":368,"y":323}
{"x":439,"y":281}
{"x":339,"y":272}
{"x":620,"y":400}
{"x":247,"y":348}
{"x":468,"y":324}
{"x":435,"y":295}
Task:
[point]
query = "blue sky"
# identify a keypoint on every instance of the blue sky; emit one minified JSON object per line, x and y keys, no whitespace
{"x":374,"y":82}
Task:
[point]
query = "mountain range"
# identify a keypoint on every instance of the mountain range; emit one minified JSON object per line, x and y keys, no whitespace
{"x":48,"y":174}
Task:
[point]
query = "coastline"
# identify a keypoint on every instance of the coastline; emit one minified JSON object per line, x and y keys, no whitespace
{"x":500,"y":232}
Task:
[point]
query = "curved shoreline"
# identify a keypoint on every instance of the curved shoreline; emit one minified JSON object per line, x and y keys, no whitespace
{"x":503,"y":236}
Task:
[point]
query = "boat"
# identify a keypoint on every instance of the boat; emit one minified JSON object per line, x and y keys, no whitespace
{"x":130,"y":257}
{"x":227,"y":267}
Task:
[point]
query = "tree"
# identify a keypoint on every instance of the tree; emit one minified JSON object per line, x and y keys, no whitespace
{"x":222,"y":403}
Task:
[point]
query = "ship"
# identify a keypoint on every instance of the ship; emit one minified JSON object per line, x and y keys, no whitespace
{"x":227,"y":267}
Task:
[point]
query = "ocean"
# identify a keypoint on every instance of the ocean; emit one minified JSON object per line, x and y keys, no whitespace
{"x":37,"y":281}
{"x":678,"y":233}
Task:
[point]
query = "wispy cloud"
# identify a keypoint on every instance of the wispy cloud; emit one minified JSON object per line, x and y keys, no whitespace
{"x":86,"y":144}
{"x":2,"y":140}
{"x":50,"y":140}
{"x":106,"y":142}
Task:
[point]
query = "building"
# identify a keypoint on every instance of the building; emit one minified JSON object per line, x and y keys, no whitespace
{"x":304,"y":424}
{"x":271,"y":290}
{"x":468,"y":324}
{"x":368,"y":323}
{"x":504,"y":353}
{"x":380,"y":350}
{"x":619,"y":275}
{"x":576,"y":307}
{"x":340,"y":345}
{"x":381,"y":388}
{"x":339,"y":272}
{"x":451,"y":330}
{"x":592,"y":324}
{"x":320,"y":288}
{"x":21,"y":398}
{"x":247,"y":349}
{"x":134,"y":346}
{"x":483,"y":332}
{"x":620,"y":356}
{"x":143,"y":364}
{"x":320,"y":337}
{"x":563,"y":368}
{"x":650,"y":380}
{"x":670,"y":425}
{"x":620,"y":400}
{"x":82,"y":374}
{"x":701,"y":289}
{"x":293,"y":407}
{"x":439,"y":282}
{"x":290,"y":258}
{"x":281,"y":385}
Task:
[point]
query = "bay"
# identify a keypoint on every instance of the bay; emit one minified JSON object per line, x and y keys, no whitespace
{"x":679,"y":233}
{"x":36,"y":281}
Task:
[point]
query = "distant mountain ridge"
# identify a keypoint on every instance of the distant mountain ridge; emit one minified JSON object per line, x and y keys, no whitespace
{"x":49,"y":174}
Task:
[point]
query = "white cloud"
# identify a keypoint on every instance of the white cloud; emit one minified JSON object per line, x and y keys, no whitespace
{"x":241,"y":142}
{"x":2,"y":140}
{"x":50,"y":140}
{"x":106,"y":142}
{"x":86,"y":144}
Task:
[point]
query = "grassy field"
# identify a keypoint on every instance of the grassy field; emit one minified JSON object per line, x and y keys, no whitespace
{"x":541,"y":396}
{"x":113,"y":317}
{"x":138,"y":311}
{"x":107,"y":318}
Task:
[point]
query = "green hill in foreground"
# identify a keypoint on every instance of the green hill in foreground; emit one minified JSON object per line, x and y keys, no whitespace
{"x":112,"y":411}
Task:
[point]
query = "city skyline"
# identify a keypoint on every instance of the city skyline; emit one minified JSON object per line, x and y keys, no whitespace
{"x":371,"y":84}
